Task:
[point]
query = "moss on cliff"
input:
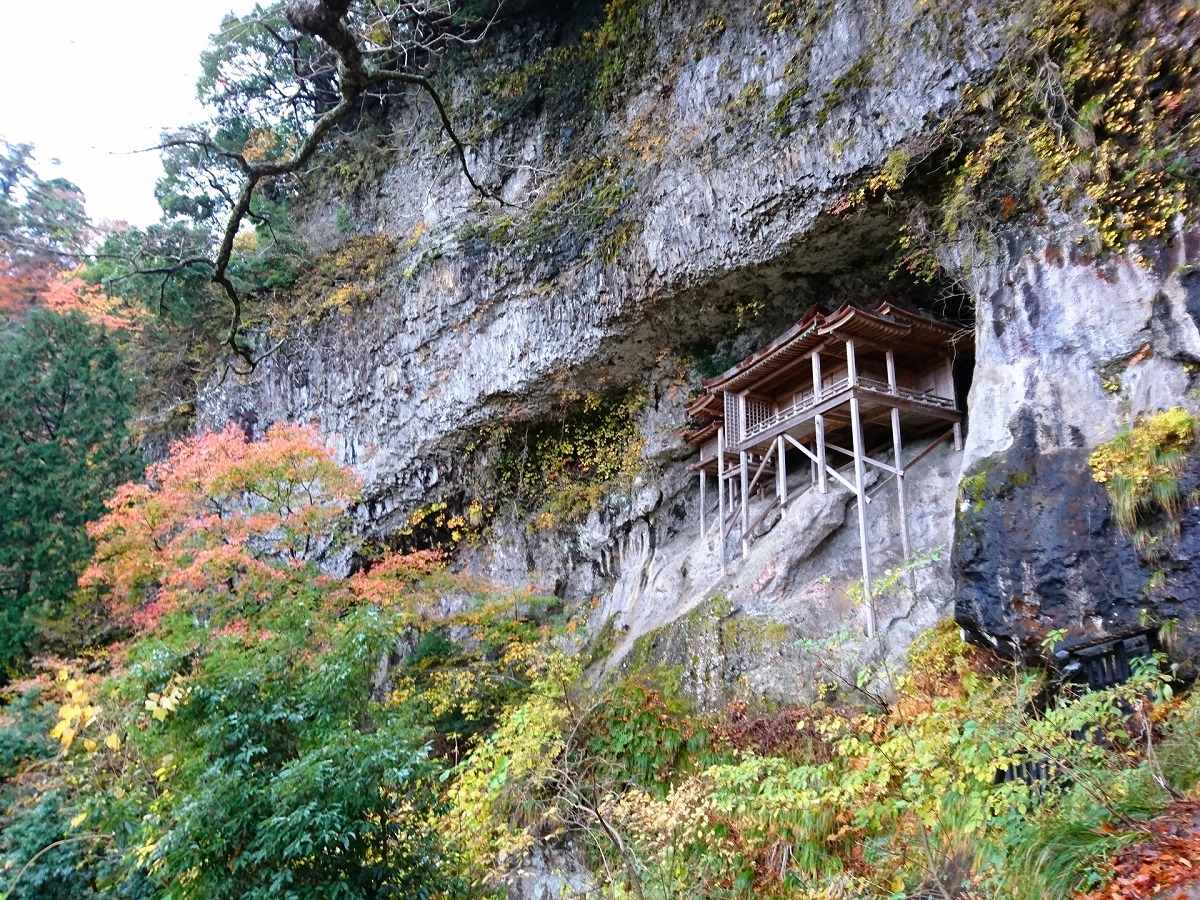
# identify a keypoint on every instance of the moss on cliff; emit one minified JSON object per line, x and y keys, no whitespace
{"x":705,"y":645}
{"x":1091,"y":109}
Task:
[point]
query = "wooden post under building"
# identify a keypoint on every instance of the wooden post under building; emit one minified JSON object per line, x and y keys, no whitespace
{"x":874,"y":373}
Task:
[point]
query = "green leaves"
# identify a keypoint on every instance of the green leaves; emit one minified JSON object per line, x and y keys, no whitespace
{"x":64,"y":404}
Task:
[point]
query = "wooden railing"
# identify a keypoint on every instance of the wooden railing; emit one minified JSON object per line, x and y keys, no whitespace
{"x":804,"y":403}
{"x":927,"y":397}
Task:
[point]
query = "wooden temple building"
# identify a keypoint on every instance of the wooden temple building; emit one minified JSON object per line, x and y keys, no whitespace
{"x":838,"y":391}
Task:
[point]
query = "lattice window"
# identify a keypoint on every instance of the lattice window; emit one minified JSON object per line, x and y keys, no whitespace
{"x":759,"y":415}
{"x":733,"y":433}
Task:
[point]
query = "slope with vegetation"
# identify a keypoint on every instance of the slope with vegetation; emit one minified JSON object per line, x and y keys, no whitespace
{"x":271,"y":730}
{"x":219,"y":688}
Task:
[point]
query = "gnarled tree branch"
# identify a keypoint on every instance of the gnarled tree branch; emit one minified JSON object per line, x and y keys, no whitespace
{"x":357,"y":74}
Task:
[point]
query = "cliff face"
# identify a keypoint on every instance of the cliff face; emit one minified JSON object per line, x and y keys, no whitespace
{"x":720,"y":208}
{"x":712,"y":206}
{"x":1070,"y":352}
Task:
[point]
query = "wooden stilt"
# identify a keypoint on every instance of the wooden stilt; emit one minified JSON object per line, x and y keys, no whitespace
{"x":953,"y":393}
{"x":745,"y":504}
{"x":721,"y":493}
{"x":860,"y":489}
{"x":781,"y":468}
{"x":902,"y":507}
{"x":833,"y":473}
{"x":822,"y":461}
{"x":703,"y":491}
{"x":819,"y":425}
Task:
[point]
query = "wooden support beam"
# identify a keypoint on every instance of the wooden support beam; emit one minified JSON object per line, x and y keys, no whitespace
{"x":761,"y":468}
{"x":834,"y":472}
{"x":822,"y":484}
{"x":927,"y":409}
{"x":902,"y":507}
{"x":745,"y":505}
{"x":924,"y":453}
{"x":758,"y":520}
{"x":891,"y":372}
{"x":721,"y":492}
{"x":866,"y":457}
{"x":781,"y":470}
{"x":859,"y":477}
{"x":958,"y":437}
{"x":819,"y":425}
{"x":703,"y":486}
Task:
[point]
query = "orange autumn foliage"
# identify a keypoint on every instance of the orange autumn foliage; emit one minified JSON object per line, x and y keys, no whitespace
{"x":218,"y":522}
{"x":1163,"y":866}
{"x":67,"y":292}
{"x":20,"y":288}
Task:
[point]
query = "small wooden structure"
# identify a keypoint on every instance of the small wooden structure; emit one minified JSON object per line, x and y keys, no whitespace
{"x":860,"y":376}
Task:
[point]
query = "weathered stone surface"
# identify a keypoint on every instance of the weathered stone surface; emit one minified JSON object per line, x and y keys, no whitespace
{"x":743,"y":634}
{"x":724,"y":215}
{"x":1068,"y":353}
{"x":552,"y":873}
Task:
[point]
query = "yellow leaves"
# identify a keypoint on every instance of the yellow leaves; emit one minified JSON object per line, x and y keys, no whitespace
{"x":380,"y":34}
{"x":78,"y":820}
{"x":496,"y":778}
{"x":162,"y":705}
{"x":1141,"y":466}
{"x":113,"y":742}
{"x":345,"y":296}
{"x":76,"y":713}
{"x":246,"y":240}
{"x":63,"y":733}
{"x":259,"y":145}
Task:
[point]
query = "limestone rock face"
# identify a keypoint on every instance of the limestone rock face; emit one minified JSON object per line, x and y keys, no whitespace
{"x":782,"y":624}
{"x":1069,"y":352}
{"x":725,"y":211}
{"x":740,"y":144}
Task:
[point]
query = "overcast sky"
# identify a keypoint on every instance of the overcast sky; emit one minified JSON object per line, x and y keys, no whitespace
{"x":90,"y":82}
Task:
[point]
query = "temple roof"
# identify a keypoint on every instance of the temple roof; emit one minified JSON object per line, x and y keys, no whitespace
{"x":911,"y":336}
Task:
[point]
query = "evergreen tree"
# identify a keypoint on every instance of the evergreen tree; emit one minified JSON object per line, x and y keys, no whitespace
{"x":64,"y":444}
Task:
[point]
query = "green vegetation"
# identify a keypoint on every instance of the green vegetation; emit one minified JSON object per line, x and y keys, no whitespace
{"x":579,"y":85}
{"x":65,"y":405}
{"x":1092,"y":110}
{"x":239,"y":722}
{"x":545,"y":473}
{"x":559,"y":470}
{"x":264,"y":734}
{"x":1141,"y":468}
{"x":43,"y":229}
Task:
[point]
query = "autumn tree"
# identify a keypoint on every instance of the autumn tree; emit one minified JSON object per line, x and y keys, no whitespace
{"x":236,"y":750}
{"x":211,"y":528}
{"x":42,"y":229}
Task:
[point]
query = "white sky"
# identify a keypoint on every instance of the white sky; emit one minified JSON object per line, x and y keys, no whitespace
{"x":90,"y":81}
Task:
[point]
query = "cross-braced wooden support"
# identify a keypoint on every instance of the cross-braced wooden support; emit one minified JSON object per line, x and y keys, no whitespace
{"x":848,"y":377}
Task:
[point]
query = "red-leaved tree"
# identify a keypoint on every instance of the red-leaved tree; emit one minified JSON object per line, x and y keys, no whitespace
{"x":215,"y":525}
